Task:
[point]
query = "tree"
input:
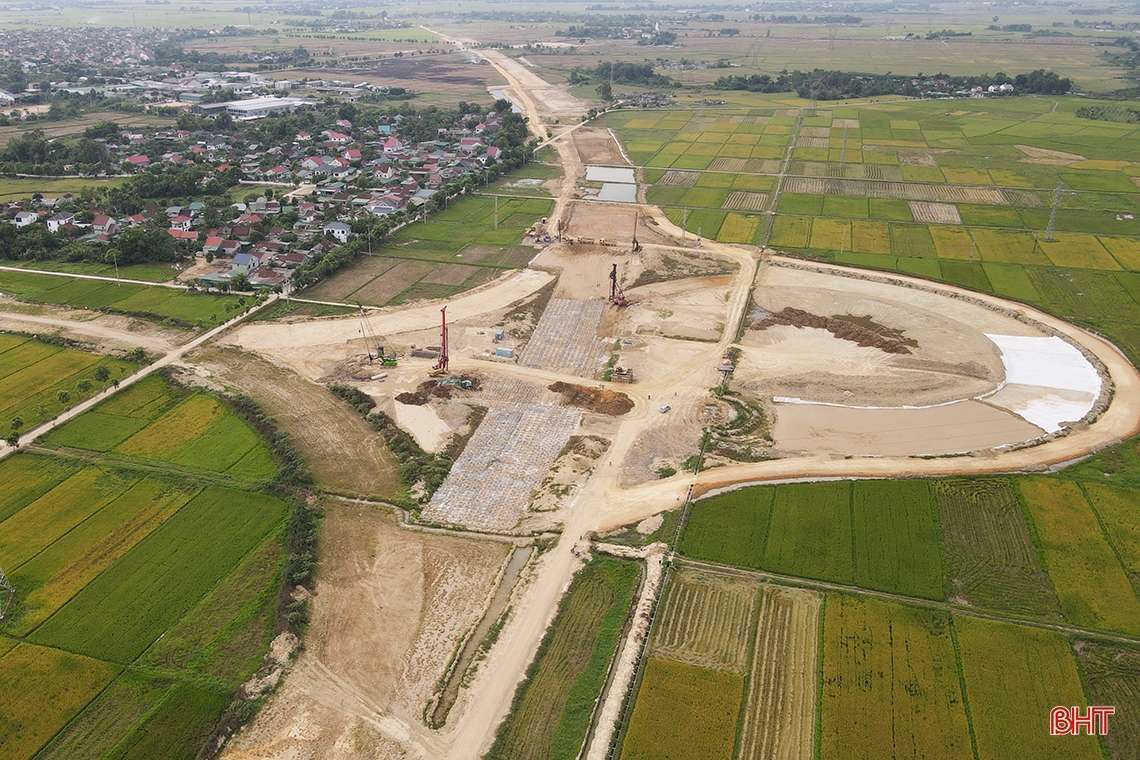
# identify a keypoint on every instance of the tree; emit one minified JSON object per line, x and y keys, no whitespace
{"x":102,"y":373}
{"x":83,"y":386}
{"x":63,"y":397}
{"x":137,"y":355}
{"x":40,"y":410}
{"x":17,"y":422}
{"x":605,"y":91}
{"x":13,"y":439}
{"x":239,"y":281}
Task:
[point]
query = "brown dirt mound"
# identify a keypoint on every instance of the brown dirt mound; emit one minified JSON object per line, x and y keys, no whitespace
{"x":430,"y":389}
{"x":613,"y":403}
{"x":840,"y":328}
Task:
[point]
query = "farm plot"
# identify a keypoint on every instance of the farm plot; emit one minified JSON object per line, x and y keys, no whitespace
{"x":28,"y":477}
{"x":810,"y":533}
{"x":183,"y":721}
{"x":33,"y":374}
{"x":680,"y":178}
{"x":890,"y":683}
{"x":72,"y":561}
{"x":1014,"y":676}
{"x":156,"y":421}
{"x":779,"y":714}
{"x":706,"y":621}
{"x":743,"y":201}
{"x":96,"y":730}
{"x":1091,"y":585}
{"x":1112,"y":677}
{"x":731,"y":528}
{"x":146,"y":302}
{"x":1116,"y":508}
{"x":62,"y":684}
{"x":119,"y":614}
{"x":419,"y":261}
{"x":683,"y":712}
{"x":935,"y":213}
{"x":552,"y":709}
{"x":990,"y":558}
{"x":896,"y":539}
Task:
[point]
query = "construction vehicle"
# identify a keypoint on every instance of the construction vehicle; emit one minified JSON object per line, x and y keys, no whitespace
{"x":636,"y":245}
{"x":617,"y":295}
{"x":622,"y":374}
{"x":440,"y":367}
{"x":371,"y":340}
{"x":464,"y":384}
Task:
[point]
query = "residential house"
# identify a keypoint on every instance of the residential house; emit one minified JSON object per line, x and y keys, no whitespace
{"x":104,"y":225}
{"x":244,"y":262}
{"x":181,"y":223}
{"x":62,"y":219}
{"x":338,"y":230}
{"x":24,"y":218}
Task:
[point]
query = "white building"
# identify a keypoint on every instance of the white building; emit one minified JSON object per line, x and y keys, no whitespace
{"x":338,"y":230}
{"x":258,"y":108}
{"x":59,"y":220}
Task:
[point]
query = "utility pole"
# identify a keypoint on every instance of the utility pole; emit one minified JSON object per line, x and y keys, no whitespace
{"x":973,"y":246}
{"x":496,"y":212}
{"x":702,"y":101}
{"x":115,"y":258}
{"x":1053,"y":213}
{"x":684,"y":224}
{"x":6,"y":593}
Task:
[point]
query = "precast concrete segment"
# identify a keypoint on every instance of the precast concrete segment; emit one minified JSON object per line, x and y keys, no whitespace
{"x":491,"y":483}
{"x":566,"y":338}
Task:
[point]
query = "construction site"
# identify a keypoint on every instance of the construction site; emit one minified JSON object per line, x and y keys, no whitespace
{"x":630,"y":367}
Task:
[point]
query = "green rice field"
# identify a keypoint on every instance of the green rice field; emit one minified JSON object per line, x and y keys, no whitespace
{"x":1067,"y":554}
{"x":146,"y":581}
{"x":33,"y":373}
{"x":168,"y":305}
{"x":155,"y":420}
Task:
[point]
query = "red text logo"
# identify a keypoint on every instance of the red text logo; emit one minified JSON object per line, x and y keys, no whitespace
{"x":1068,"y":721}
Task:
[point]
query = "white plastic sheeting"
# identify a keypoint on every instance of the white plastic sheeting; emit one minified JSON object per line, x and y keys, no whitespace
{"x":1048,"y":382}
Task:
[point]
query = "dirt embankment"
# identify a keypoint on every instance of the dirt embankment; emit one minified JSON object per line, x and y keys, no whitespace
{"x":840,"y":328}
{"x":613,"y":403}
{"x":345,"y":454}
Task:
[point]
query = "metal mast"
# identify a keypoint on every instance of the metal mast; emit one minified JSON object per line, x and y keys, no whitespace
{"x":1053,"y":213}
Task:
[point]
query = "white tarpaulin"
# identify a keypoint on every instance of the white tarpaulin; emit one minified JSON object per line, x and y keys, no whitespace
{"x":1048,"y":382}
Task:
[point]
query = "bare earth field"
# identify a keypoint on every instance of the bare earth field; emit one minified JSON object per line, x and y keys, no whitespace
{"x":343,"y":451}
{"x":599,"y":146}
{"x":106,"y":331}
{"x":389,"y":609}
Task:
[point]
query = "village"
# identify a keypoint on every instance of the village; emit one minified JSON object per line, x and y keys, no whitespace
{"x":307,"y":190}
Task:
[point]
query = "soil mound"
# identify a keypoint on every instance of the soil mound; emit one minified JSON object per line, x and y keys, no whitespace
{"x":840,"y":328}
{"x":430,"y":389}
{"x":613,"y":403}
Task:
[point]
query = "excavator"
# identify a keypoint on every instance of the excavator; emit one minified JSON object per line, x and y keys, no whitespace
{"x":440,"y":367}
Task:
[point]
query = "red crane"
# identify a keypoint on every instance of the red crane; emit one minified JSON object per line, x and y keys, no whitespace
{"x":440,"y":367}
